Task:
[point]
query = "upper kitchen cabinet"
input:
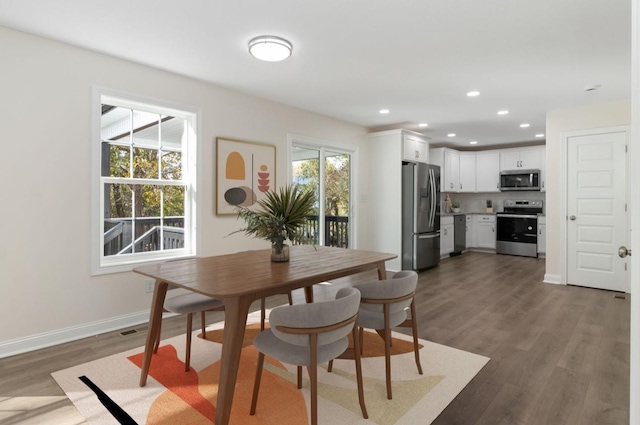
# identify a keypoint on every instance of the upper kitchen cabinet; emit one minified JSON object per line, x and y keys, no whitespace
{"x":521,"y":158}
{"x":415,"y":148}
{"x":488,"y":171}
{"x":449,"y":162}
{"x":467,"y":168}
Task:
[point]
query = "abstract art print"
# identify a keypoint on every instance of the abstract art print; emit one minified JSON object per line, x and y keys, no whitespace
{"x":245,"y":171}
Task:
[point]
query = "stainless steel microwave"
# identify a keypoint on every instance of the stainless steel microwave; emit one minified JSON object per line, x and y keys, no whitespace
{"x":520,"y":180}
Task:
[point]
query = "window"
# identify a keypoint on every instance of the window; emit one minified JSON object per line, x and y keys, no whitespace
{"x":146,"y":174}
{"x":327,"y":170}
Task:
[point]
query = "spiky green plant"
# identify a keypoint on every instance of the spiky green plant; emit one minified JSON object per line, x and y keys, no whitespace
{"x":283,"y":213}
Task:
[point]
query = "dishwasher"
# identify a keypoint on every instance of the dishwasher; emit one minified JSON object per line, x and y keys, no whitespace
{"x":459,"y":234}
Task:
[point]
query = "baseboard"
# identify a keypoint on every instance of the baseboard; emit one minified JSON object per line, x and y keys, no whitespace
{"x":552,"y":278}
{"x":48,"y":339}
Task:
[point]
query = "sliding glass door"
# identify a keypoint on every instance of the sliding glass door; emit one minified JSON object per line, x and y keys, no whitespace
{"x":327,"y":171}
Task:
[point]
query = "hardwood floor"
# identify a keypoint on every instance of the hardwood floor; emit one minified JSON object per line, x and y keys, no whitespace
{"x":559,"y":354}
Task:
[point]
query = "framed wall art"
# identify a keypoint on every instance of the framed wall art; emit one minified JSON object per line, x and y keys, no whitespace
{"x":245,"y":171}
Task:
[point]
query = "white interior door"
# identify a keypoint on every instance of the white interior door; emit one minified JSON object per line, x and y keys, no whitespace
{"x":596,"y":209}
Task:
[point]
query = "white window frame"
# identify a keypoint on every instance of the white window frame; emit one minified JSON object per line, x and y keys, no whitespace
{"x":102,"y":264}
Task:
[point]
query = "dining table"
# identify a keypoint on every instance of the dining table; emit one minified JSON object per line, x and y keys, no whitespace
{"x":238,"y":280}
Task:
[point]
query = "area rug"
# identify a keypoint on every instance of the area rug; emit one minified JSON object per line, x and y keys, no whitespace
{"x":173,"y":396}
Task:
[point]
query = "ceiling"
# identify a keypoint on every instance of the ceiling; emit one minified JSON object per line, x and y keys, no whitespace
{"x":417,"y":58}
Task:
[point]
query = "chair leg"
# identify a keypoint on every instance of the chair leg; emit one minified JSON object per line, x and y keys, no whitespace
{"x":290,"y":298}
{"x":256,"y":384}
{"x":361,"y":336}
{"x":263,"y":314}
{"x":203,"y":323}
{"x":313,"y":378}
{"x":414,"y":327}
{"x":387,"y":349}
{"x":356,"y":351}
{"x":188,"y":353}
{"x":330,"y":366}
{"x":156,"y":344}
{"x":299,"y":377}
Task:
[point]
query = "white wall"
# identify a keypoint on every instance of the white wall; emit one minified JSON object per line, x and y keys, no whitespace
{"x":48,"y":294}
{"x":559,"y":122}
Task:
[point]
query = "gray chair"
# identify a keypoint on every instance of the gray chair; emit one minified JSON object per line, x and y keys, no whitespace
{"x":384,"y":305}
{"x":189,"y":304}
{"x":192,"y":303}
{"x":309,"y":334}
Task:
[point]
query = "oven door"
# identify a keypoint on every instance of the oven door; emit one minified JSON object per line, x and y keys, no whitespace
{"x":522,"y":228}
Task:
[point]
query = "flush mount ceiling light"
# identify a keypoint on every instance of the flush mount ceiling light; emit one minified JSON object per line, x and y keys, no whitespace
{"x":451,"y":135}
{"x":473,"y":142}
{"x":270,"y":48}
{"x":540,"y":135}
{"x":524,"y":125}
{"x":384,"y":111}
{"x":503,"y":112}
{"x":423,"y":124}
{"x":473,"y":93}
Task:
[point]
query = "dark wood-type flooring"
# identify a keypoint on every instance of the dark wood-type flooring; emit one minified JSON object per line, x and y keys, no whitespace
{"x":559,"y":354}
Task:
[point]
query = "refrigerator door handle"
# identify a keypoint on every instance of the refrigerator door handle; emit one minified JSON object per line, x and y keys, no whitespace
{"x":429,"y":236}
{"x":433,"y":197}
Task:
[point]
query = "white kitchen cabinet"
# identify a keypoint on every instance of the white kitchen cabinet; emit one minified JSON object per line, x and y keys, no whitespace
{"x":488,"y":171}
{"x":414,"y":148}
{"x":542,"y":235}
{"x":467,"y":173}
{"x":486,"y":231}
{"x":385,"y":195}
{"x":471,"y":231}
{"x":446,"y":235}
{"x":520,"y":158}
{"x":449,"y":162}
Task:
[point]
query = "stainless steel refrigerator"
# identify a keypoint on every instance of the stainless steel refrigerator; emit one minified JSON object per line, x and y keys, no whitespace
{"x":420,"y":216}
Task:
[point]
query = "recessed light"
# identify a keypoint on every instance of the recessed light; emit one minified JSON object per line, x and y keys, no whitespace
{"x":473,"y":142}
{"x":451,"y":135}
{"x":423,"y":124}
{"x":524,"y":125}
{"x":503,"y":112}
{"x":540,"y":135}
{"x":473,"y":93}
{"x":384,"y":111}
{"x":270,"y":48}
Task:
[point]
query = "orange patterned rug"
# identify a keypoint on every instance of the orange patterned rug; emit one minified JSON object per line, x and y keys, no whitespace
{"x":173,"y":396}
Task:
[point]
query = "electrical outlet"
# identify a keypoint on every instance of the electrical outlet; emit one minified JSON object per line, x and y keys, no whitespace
{"x":149,"y":286}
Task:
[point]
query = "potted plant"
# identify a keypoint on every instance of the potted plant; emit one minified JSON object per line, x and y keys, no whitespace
{"x":281,"y":216}
{"x":455,"y":206}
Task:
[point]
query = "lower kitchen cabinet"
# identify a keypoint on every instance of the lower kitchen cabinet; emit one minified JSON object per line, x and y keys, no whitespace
{"x":446,"y":235}
{"x":542,"y":235}
{"x":471,"y":231}
{"x":485,"y":231}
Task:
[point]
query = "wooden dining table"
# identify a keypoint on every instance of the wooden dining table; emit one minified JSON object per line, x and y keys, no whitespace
{"x":238,"y":280}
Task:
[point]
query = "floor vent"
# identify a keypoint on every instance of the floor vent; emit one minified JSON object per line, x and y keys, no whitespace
{"x":620,"y":296}
{"x":128,"y":332}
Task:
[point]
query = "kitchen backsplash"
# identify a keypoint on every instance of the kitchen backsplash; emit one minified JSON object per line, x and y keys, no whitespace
{"x":477,"y":202}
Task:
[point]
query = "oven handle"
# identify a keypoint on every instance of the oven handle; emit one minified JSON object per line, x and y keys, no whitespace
{"x":517,"y":216}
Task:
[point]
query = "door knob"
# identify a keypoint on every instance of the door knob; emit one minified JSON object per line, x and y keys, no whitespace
{"x":623,"y":251}
{"x":572,"y":217}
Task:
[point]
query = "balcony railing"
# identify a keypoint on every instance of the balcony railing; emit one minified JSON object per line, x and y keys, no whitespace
{"x":336,"y":231}
{"x":117,"y":239}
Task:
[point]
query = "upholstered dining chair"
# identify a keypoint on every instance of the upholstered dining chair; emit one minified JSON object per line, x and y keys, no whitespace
{"x":189,"y":304}
{"x":192,"y":303}
{"x":384,"y":305}
{"x":309,"y":334}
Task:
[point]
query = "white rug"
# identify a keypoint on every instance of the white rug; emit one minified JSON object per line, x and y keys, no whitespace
{"x":173,"y":396}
